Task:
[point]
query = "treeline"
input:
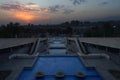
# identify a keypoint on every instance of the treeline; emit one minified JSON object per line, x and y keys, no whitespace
{"x":106,"y":29}
{"x":15,"y":30}
{"x":10,"y":30}
{"x":83,"y":29}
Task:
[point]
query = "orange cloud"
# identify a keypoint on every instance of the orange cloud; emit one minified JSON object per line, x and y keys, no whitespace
{"x":31,"y":12}
{"x":24,"y":16}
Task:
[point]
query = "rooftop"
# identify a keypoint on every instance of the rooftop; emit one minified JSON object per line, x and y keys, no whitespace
{"x":21,"y":59}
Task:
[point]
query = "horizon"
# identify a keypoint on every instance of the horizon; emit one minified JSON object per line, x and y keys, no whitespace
{"x":94,"y":21}
{"x":56,"y":12}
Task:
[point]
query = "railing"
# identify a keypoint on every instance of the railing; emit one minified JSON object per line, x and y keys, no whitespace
{"x":94,"y":55}
{"x":22,"y":56}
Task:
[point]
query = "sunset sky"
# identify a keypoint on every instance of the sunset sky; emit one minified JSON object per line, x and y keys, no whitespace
{"x":57,"y":11}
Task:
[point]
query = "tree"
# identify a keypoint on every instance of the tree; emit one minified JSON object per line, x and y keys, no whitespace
{"x":10,"y":30}
{"x":108,"y":29}
{"x":75,"y":23}
{"x":69,"y":31}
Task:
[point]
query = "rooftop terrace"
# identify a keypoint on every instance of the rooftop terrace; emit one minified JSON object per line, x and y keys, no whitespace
{"x":18,"y":54}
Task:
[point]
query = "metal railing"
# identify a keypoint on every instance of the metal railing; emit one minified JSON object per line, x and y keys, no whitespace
{"x":23,"y":56}
{"x":94,"y":55}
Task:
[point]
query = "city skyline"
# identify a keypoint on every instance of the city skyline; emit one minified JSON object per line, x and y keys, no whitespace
{"x":57,"y":11}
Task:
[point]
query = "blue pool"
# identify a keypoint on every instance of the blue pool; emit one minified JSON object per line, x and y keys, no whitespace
{"x":51,"y":65}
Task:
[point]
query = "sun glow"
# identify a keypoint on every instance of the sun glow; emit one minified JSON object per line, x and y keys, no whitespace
{"x":25,"y":16}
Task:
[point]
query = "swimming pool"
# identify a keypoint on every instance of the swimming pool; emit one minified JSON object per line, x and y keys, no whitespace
{"x":57,"y":51}
{"x":70,"y":65}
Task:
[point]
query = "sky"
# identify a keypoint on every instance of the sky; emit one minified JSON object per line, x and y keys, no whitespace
{"x":57,"y":11}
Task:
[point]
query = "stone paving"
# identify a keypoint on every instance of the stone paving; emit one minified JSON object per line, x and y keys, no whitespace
{"x":102,"y":65}
{"x":16,"y":66}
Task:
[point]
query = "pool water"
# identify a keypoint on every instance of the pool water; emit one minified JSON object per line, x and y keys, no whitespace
{"x":57,"y":44}
{"x":57,"y":51}
{"x":57,"y":47}
{"x":51,"y":65}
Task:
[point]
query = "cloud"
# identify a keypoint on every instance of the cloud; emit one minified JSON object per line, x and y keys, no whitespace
{"x":104,"y":3}
{"x":10,"y":6}
{"x":20,"y":7}
{"x":55,"y":8}
{"x":77,"y":2}
{"x":35,"y":8}
{"x":68,"y":11}
{"x":58,"y":8}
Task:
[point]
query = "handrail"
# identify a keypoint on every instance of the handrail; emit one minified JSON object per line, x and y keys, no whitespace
{"x":78,"y":46}
{"x":94,"y":55}
{"x":22,"y":55}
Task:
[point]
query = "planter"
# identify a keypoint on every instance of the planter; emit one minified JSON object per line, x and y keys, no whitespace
{"x":39,"y":75}
{"x":59,"y":74}
{"x":80,"y":75}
